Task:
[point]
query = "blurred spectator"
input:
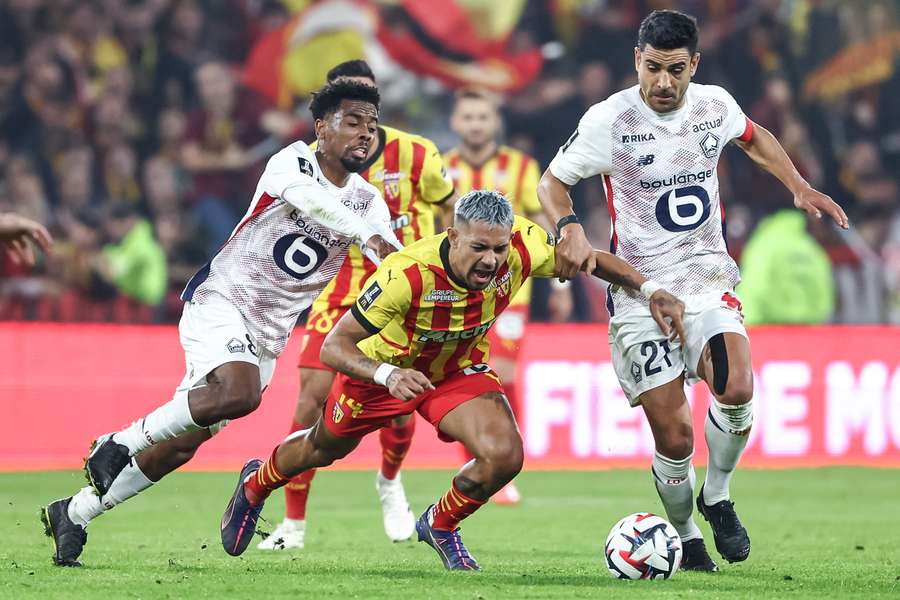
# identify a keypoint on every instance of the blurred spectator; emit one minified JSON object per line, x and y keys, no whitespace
{"x":137,"y":103}
{"x":218,"y":151}
{"x":134,"y":261}
{"x":786,"y":275}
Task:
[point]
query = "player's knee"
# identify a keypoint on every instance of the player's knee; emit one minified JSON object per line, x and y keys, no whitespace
{"x":239,"y":398}
{"x":739,"y":390}
{"x":503,"y":454}
{"x":676,"y":442}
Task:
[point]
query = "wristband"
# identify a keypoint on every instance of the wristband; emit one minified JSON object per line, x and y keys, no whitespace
{"x":382,"y":373}
{"x":649,"y":287}
{"x":563,"y":222}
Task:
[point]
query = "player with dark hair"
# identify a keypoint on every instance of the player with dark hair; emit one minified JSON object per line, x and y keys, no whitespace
{"x":408,"y":171}
{"x":657,"y":146}
{"x":309,"y":208}
{"x":414,"y":341}
{"x":480,"y":161}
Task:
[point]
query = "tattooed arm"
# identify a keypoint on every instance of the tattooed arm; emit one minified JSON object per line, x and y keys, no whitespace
{"x":340,"y":352}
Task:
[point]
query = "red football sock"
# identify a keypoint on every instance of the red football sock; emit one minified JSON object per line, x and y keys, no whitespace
{"x":262,"y":483}
{"x":296,"y":493}
{"x":395,"y":443}
{"x":452,"y":508}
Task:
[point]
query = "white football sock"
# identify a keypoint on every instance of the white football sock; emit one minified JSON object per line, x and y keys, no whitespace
{"x":130,"y":482}
{"x":165,"y":423}
{"x":85,"y":506}
{"x":727,"y":429}
{"x":674,"y":479}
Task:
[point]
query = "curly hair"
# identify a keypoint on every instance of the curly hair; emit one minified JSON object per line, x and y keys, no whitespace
{"x":329,"y":98}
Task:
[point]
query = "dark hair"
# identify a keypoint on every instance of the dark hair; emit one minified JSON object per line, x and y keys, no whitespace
{"x":351,"y":68}
{"x":668,"y":30}
{"x":329,"y":98}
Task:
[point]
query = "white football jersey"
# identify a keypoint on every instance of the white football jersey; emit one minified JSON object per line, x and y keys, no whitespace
{"x":279,"y":257}
{"x":659,"y":171}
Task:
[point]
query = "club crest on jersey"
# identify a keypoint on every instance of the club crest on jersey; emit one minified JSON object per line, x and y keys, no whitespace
{"x":442,"y":296}
{"x":636,"y":372}
{"x":235,"y":346}
{"x":710,"y":145}
{"x":635,"y":138}
{"x":369,"y":296}
{"x":441,"y":337}
{"x":497,"y":282}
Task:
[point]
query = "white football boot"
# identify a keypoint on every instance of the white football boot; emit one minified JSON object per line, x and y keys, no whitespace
{"x":399,"y":521}
{"x":287,"y":536}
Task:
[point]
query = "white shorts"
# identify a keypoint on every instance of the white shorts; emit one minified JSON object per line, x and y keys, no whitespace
{"x":644,"y":359}
{"x":215,"y":333}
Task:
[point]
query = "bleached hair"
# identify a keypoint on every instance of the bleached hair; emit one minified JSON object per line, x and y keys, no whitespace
{"x":485,"y":206}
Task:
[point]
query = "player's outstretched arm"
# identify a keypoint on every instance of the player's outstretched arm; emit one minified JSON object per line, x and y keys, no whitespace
{"x":666,"y":309}
{"x":15,"y":234}
{"x":573,"y":250}
{"x":340,"y":352}
{"x":763,"y":148}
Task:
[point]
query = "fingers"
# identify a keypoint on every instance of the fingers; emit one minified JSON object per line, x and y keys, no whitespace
{"x":42,"y":237}
{"x":678,"y":326}
{"x":22,"y":252}
{"x":590,"y":265}
{"x":658,"y":316}
{"x":838,"y":214}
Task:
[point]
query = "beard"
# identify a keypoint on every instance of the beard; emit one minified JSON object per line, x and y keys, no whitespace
{"x":352,"y":165}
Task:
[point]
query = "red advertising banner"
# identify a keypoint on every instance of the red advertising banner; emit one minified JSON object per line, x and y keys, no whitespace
{"x":826,"y":395}
{"x":822,"y":395}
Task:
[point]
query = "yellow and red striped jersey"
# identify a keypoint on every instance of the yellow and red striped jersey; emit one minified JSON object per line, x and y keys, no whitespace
{"x":422,"y":316}
{"x":409,"y":173}
{"x":510,"y":172}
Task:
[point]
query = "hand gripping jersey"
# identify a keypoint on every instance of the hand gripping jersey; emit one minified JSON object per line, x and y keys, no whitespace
{"x":659,"y":171}
{"x":422,"y":317}
{"x":408,"y":172}
{"x":510,"y":172}
{"x":280,"y":256}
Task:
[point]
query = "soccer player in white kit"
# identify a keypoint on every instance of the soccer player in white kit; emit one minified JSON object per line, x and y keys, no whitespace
{"x":240,"y":308}
{"x":657,"y":146}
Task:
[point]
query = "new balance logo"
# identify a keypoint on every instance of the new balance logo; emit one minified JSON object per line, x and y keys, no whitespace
{"x":646,"y":159}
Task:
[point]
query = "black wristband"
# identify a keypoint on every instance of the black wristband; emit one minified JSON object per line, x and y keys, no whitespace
{"x":563,"y":222}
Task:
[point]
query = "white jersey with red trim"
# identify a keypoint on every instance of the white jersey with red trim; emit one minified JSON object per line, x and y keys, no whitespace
{"x":661,"y":186}
{"x":279,"y":257}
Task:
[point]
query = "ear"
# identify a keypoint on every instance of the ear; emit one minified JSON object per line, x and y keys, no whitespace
{"x":637,"y":59}
{"x":320,"y":126}
{"x":453,"y":235}
{"x":695,"y":60}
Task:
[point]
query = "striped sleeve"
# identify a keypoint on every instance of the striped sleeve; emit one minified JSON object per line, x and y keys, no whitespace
{"x":538,"y":247}
{"x":386,"y":297}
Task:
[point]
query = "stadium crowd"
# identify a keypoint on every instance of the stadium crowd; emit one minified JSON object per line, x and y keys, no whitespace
{"x":127,"y":128}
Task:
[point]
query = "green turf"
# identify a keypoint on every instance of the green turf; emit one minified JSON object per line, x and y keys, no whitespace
{"x":830,"y":533}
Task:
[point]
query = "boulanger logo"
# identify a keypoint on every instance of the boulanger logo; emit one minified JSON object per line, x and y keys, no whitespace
{"x":681,"y":179}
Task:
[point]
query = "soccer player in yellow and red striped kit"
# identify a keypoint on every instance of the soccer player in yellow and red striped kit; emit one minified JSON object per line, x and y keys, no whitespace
{"x":414,"y":341}
{"x":480,"y":162}
{"x":409,"y":172}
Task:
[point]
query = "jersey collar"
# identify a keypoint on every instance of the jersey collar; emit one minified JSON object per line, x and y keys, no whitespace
{"x":445,"y":260}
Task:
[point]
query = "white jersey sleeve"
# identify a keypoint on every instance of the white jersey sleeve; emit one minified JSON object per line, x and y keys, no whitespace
{"x":737,"y":125}
{"x":292,"y":178}
{"x":379,"y":218}
{"x":588,"y":151}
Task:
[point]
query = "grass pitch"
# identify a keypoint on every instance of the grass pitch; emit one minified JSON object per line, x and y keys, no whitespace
{"x":824,"y":533}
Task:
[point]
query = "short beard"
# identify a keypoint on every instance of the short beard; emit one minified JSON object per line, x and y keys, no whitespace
{"x":352,"y":166}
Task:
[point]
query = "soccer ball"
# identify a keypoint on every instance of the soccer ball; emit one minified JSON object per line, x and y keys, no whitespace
{"x":643,"y":546}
